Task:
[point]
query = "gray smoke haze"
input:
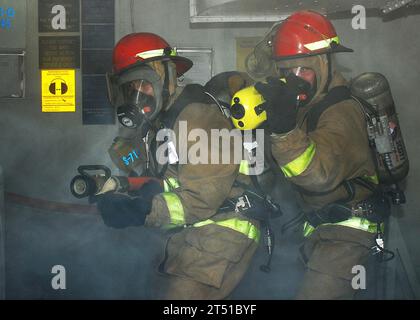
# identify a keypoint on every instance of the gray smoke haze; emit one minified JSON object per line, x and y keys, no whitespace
{"x":104,"y":263}
{"x":40,"y":152}
{"x":100,"y":262}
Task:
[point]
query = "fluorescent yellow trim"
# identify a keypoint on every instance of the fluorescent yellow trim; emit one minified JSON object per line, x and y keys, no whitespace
{"x":307,"y":229}
{"x":175,"y":208}
{"x":374,"y":179}
{"x":170,"y":184}
{"x":154,"y":53}
{"x":354,"y":222}
{"x":242,"y":226}
{"x":244,"y":167}
{"x":322,"y":44}
{"x":301,"y":163}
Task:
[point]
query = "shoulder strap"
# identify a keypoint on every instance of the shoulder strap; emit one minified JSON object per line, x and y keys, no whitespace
{"x":333,"y":97}
{"x":191,"y":93}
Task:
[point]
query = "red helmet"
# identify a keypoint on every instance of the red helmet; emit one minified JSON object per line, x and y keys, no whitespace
{"x":306,"y":33}
{"x":138,"y":48}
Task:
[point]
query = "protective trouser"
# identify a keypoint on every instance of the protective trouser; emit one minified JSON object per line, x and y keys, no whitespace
{"x":207,"y":261}
{"x":330,"y":253}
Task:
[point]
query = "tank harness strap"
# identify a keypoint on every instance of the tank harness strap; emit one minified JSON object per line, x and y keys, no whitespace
{"x":336,"y":95}
{"x":192,"y":93}
{"x":338,"y":212}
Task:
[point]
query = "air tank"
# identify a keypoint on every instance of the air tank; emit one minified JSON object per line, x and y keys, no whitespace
{"x":391,"y":155}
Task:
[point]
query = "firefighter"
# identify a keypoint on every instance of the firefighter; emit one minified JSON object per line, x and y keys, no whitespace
{"x":209,"y":248}
{"x":319,"y":141}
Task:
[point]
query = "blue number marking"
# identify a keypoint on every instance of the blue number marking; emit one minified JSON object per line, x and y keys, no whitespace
{"x":130,"y":157}
{"x":11,"y":12}
{"x":5,"y":23}
{"x":126,"y":162}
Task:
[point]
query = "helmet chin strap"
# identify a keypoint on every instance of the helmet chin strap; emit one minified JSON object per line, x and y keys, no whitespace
{"x":329,"y":79}
{"x":165,"y":91}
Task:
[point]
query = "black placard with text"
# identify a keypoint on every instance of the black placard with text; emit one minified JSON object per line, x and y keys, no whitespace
{"x":59,"y":52}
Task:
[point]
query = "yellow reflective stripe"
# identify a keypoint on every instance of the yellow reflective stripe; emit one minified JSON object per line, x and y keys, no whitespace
{"x":307,"y":229}
{"x":244,"y":167}
{"x":243,"y":226}
{"x":374,"y":179}
{"x":354,"y":222}
{"x":170,"y":184}
{"x":359,"y":223}
{"x":301,"y":163}
{"x":155,"y":53}
{"x":322,"y":44}
{"x":175,"y":208}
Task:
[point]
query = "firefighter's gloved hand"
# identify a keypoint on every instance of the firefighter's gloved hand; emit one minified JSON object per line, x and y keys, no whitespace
{"x":113,"y":184}
{"x":121,"y":211}
{"x":280,"y":104}
{"x":145,"y":187}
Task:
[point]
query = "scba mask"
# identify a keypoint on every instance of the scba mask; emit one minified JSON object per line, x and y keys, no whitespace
{"x":139,"y":103}
{"x":141,"y":96}
{"x":303,"y":79}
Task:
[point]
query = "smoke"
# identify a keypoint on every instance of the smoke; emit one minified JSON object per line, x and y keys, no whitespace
{"x":100,"y":262}
{"x":105,"y":263}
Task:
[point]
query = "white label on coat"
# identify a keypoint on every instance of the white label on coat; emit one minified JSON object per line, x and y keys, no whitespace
{"x":249,"y":146}
{"x":172,"y":155}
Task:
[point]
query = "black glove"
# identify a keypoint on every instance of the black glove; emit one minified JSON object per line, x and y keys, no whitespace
{"x":121,"y":211}
{"x":281,"y":102}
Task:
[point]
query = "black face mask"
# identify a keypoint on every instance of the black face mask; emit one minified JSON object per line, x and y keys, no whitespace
{"x":305,"y":89}
{"x":133,"y":114}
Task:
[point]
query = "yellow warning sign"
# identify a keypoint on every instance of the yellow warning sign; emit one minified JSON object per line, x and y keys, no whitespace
{"x":58,"y":90}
